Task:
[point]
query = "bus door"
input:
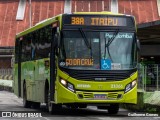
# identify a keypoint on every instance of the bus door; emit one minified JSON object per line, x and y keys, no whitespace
{"x":19,"y":67}
{"x":53,"y":71}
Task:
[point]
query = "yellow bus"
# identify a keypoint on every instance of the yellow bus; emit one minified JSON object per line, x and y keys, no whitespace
{"x":78,"y":59}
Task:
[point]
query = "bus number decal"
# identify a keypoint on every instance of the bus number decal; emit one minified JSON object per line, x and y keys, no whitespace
{"x":116,"y":86}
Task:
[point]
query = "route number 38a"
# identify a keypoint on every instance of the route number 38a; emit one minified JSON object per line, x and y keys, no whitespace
{"x":77,"y":21}
{"x":116,"y":86}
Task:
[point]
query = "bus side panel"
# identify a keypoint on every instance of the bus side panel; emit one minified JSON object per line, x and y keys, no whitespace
{"x":27,"y":76}
{"x":39,"y":91}
{"x":131,"y":96}
{"x":35,"y":86}
{"x":35,"y":74}
{"x":41,"y":75}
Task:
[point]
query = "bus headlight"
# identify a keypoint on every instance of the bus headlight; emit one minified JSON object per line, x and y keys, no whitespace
{"x":68,"y":85}
{"x":130,"y":86}
{"x":63,"y":82}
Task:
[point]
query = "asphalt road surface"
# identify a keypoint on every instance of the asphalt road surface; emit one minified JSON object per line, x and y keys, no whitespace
{"x":11,"y":108}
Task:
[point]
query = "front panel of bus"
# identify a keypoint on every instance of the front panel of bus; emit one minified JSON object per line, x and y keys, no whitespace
{"x":97,"y":60}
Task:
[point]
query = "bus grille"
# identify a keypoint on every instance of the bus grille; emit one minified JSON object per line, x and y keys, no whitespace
{"x":112,"y":95}
{"x":88,"y":95}
{"x":99,"y":75}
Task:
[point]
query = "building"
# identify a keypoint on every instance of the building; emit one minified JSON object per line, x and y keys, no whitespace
{"x":17,"y":15}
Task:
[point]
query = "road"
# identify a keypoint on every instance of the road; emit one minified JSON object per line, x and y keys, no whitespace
{"x":12,"y":104}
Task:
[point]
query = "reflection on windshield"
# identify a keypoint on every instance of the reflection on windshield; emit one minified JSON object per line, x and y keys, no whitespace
{"x":107,"y":51}
{"x":109,"y":40}
{"x":122,"y":50}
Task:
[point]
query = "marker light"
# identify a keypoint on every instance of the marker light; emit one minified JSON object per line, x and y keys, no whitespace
{"x":70,"y":87}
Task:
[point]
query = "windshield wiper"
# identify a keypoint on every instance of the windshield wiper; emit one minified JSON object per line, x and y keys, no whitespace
{"x":85,"y":38}
{"x":86,"y":41}
{"x":62,"y":48}
{"x":108,"y":44}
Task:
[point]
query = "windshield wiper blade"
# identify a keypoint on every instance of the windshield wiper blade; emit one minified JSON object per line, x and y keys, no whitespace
{"x":62,"y":46}
{"x":86,"y":41}
{"x":85,"y":38}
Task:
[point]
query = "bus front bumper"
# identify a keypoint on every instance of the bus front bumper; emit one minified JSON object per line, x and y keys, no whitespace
{"x":64,"y":96}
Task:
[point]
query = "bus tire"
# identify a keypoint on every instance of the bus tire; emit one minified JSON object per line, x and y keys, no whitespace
{"x":113,"y":108}
{"x":26,"y":103}
{"x":50,"y":105}
{"x":53,"y":108}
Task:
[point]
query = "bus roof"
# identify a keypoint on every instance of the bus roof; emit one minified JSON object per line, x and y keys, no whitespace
{"x":39,"y":25}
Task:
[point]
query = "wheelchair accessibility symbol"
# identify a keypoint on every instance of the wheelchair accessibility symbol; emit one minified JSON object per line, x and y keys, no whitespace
{"x":105,"y":64}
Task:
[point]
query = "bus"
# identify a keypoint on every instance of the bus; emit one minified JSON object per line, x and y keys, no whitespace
{"x":76,"y":60}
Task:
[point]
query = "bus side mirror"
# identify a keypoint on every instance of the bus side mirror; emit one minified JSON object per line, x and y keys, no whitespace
{"x":55,"y":40}
{"x":56,"y":43}
{"x":138,"y":48}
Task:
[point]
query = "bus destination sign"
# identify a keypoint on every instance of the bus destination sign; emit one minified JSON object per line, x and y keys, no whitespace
{"x":97,"y":20}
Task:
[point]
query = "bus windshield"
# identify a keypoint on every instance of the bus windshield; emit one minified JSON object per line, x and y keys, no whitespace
{"x":98,"y":50}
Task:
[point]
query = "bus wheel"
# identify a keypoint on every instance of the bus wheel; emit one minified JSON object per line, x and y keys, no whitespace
{"x":52,"y":108}
{"x":113,"y":108}
{"x":26,"y":103}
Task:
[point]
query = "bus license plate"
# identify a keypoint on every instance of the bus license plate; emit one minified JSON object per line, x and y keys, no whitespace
{"x":100,"y":96}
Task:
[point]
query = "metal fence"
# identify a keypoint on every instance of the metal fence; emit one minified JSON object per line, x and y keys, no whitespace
{"x":6,"y":73}
{"x":149,"y":77}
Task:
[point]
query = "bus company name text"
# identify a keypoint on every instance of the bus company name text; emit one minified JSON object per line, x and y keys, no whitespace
{"x":21,"y":114}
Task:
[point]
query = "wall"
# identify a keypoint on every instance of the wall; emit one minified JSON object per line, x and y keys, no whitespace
{"x":150,"y":50}
{"x":143,"y":10}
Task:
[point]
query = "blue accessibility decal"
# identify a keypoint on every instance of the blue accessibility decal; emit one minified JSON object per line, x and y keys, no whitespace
{"x":105,"y":64}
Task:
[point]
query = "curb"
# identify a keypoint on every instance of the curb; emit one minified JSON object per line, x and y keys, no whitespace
{"x":6,"y":85}
{"x":6,"y":88}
